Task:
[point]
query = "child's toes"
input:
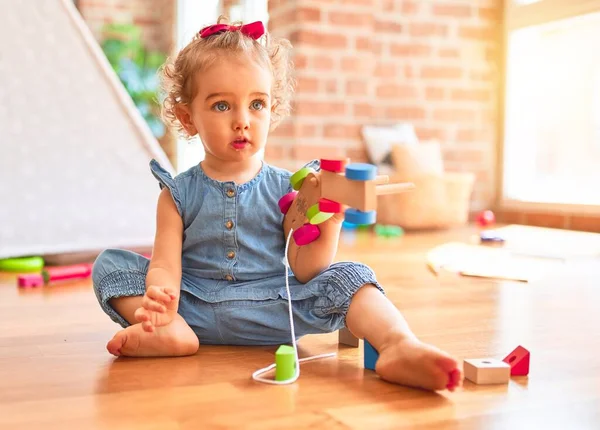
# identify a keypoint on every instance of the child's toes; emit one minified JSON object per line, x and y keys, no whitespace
{"x":115,"y":344}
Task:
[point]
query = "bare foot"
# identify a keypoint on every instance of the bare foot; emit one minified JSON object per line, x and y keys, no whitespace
{"x":173,"y":339}
{"x":410,"y":362}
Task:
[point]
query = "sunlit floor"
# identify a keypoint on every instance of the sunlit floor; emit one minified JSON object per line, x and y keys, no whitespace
{"x":55,"y":371}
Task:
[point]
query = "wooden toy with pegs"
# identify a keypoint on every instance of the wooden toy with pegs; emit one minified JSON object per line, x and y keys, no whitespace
{"x":317,"y":196}
{"x":320,"y":195}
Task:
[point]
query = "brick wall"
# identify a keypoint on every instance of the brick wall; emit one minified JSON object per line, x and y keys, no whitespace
{"x":432,"y":63}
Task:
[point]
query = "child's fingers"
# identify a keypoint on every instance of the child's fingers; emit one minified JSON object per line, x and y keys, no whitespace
{"x":170,"y":292}
{"x":159,"y":294}
{"x":148,"y":326}
{"x":142,"y":314}
{"x":153,"y":305}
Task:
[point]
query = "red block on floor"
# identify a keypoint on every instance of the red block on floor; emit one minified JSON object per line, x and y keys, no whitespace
{"x":518,"y":360}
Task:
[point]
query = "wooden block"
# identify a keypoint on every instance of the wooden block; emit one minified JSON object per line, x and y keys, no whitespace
{"x":347,"y":338}
{"x":370,"y":356}
{"x":486,"y":371}
{"x":359,"y":195}
{"x":518,"y":360}
{"x":285,"y":363}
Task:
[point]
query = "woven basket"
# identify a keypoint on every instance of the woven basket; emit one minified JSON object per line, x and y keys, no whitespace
{"x":439,"y":201}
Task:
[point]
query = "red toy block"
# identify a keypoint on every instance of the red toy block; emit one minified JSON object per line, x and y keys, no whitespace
{"x":336,"y":166}
{"x":306,"y":234}
{"x":518,"y":360}
{"x":329,"y":206}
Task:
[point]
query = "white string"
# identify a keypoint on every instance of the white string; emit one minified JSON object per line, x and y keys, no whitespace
{"x":256,"y":375}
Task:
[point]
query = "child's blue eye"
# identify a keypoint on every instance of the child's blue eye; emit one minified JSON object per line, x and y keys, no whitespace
{"x":257,"y":104}
{"x":220,"y":106}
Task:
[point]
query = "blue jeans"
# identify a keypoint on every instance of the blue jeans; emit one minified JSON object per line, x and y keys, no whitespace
{"x":240,"y":312}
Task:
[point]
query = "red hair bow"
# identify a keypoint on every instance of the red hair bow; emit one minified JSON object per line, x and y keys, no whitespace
{"x":253,"y":29}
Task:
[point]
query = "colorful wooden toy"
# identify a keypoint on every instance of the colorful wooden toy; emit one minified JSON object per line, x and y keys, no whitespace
{"x":285,"y":363}
{"x":370,"y":356}
{"x":486,"y":371}
{"x":320,"y":195}
{"x":53,"y":274}
{"x":518,"y":360}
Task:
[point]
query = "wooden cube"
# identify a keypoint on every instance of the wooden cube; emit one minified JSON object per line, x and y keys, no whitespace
{"x":347,"y":338}
{"x":486,"y":371}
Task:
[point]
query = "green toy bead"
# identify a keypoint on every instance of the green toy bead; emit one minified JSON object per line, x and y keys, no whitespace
{"x":388,"y":230}
{"x":315,"y":216}
{"x":22,"y":265}
{"x":297,"y":179}
{"x":285,"y":363}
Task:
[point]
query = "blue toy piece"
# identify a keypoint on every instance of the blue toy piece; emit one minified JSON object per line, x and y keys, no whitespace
{"x":370,"y":355}
{"x":361,"y":171}
{"x":354,"y":216}
{"x":348,"y":226}
{"x":491,"y":236}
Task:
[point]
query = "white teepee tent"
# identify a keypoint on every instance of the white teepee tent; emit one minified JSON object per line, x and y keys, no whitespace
{"x":74,"y":152}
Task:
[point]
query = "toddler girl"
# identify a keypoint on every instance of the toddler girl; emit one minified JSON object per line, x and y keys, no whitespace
{"x":217,"y":272}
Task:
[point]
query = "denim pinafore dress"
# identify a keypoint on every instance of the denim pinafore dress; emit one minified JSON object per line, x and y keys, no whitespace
{"x":233,"y":288}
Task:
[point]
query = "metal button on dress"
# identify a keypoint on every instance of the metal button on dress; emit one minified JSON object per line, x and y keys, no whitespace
{"x":229,"y":278}
{"x":230,"y":254}
{"x":230,"y":192}
{"x":229,"y":225}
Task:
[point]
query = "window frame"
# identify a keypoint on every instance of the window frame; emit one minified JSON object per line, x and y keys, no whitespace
{"x":515,"y":17}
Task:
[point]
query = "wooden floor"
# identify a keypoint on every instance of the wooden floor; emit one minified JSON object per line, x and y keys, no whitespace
{"x":55,"y":371}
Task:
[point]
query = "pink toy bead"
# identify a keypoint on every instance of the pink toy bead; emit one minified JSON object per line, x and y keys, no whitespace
{"x":336,"y":166}
{"x":68,"y":272}
{"x":486,"y":218}
{"x":306,"y":234}
{"x":329,"y":206}
{"x":286,"y":201}
{"x":30,"y":280}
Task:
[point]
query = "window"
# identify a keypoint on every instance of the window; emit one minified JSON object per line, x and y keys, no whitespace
{"x":192,"y":15}
{"x":551,"y":149}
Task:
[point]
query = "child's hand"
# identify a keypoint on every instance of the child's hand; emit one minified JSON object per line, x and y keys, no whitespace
{"x":159,"y":306}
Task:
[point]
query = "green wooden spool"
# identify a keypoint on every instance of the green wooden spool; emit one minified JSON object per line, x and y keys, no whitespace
{"x":297,"y":179}
{"x":285,"y":363}
{"x":315,"y":216}
{"x":22,"y":265}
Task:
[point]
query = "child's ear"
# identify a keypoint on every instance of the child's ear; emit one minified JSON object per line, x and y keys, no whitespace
{"x":184,"y":116}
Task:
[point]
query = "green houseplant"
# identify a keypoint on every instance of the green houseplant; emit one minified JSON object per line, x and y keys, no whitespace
{"x":137,"y":69}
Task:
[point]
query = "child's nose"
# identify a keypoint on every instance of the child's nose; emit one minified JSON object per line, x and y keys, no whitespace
{"x":241,"y":122}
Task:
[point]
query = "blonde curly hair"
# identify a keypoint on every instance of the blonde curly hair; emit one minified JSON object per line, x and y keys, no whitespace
{"x":177,"y":74}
